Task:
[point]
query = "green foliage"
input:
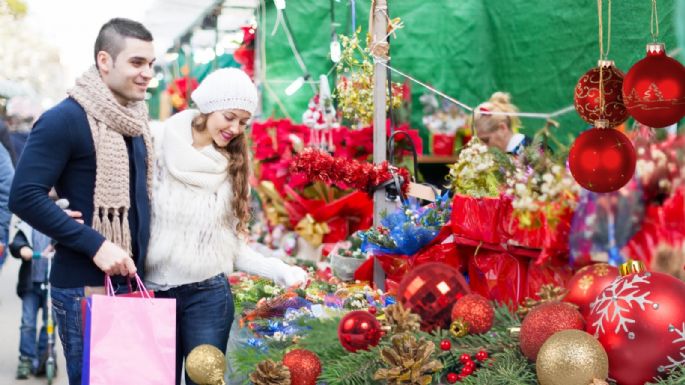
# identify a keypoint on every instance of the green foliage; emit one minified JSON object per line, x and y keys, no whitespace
{"x":675,"y":377}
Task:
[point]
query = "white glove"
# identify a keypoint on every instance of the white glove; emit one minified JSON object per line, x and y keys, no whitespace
{"x":292,"y":276}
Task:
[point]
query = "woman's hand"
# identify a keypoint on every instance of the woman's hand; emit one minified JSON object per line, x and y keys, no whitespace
{"x":294,"y":277}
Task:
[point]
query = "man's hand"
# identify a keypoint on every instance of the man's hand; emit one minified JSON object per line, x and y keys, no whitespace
{"x":26,"y":253}
{"x":75,"y":215}
{"x":113,"y":260}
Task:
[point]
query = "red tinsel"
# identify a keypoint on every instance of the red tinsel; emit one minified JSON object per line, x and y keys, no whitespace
{"x":317,"y":165}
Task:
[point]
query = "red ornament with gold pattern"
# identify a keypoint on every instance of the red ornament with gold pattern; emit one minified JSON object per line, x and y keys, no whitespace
{"x":587,"y":283}
{"x":640,"y":320}
{"x":587,"y":95}
{"x":654,"y":88}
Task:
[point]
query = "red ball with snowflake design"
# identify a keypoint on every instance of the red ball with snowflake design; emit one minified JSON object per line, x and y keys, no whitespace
{"x":640,"y":321}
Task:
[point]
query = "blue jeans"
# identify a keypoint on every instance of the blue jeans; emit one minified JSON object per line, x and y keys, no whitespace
{"x":66,"y":304}
{"x":204,"y":314}
{"x":31,"y":302}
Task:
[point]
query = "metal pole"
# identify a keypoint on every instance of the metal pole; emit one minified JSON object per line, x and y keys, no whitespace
{"x":380,"y":204}
{"x":380,"y":24}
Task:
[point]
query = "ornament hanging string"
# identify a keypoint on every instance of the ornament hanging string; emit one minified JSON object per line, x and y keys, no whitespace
{"x":603,"y":55}
{"x":654,"y":22}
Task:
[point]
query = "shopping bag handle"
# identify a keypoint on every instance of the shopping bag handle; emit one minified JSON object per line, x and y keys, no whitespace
{"x":141,"y":286}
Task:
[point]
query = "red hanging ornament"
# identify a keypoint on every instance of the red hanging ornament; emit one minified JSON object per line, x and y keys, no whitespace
{"x":430,"y":291}
{"x":587,"y":283}
{"x":640,"y":321}
{"x":545,"y":320}
{"x":654,"y":88}
{"x":359,"y":330}
{"x":304,"y":366}
{"x":602,"y":159}
{"x":476,"y":311}
{"x":587,"y":95}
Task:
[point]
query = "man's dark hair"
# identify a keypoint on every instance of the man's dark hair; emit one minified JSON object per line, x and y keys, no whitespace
{"x":112,"y":35}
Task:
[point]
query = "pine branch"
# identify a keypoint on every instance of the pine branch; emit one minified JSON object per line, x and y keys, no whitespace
{"x":675,"y":377}
{"x":353,"y":368}
{"x":508,"y":368}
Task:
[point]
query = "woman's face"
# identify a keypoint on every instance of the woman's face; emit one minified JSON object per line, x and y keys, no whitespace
{"x":497,"y":137}
{"x":225,"y":125}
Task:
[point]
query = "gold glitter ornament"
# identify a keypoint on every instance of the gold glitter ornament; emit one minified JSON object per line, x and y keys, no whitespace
{"x":206,"y":365}
{"x":571,"y":357}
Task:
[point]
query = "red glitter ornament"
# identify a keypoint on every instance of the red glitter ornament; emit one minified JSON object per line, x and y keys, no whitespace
{"x":430,"y":291}
{"x":545,"y":320}
{"x":602,"y":160}
{"x":654,"y":88}
{"x":476,"y":311}
{"x":359,"y":330}
{"x":304,"y":366}
{"x":587,"y":283}
{"x":587,"y":96}
{"x":640,"y":320}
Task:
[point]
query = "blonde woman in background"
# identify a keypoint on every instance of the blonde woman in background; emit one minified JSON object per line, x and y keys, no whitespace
{"x":500,"y":131}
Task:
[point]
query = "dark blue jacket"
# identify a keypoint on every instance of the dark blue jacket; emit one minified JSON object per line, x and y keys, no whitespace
{"x":60,"y":153}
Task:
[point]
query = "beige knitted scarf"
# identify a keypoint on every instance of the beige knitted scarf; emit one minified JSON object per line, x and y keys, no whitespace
{"x":109,"y":123}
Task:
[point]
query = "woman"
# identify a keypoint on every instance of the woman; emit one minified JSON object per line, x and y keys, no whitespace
{"x":200,"y":212}
{"x":500,"y":131}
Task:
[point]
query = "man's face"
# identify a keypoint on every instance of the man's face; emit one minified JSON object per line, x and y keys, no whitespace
{"x":129,"y":74}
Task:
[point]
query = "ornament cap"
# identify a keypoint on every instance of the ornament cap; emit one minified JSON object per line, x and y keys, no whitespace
{"x":601,"y":123}
{"x":632,"y":267}
{"x":656,"y":49}
{"x":605,"y":63}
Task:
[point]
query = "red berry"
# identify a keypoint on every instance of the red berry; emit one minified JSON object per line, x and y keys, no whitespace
{"x":452,"y":377}
{"x":482,"y":355}
{"x":372,"y":310}
{"x":445,"y":345}
{"x":460,"y":377}
{"x":464,"y":358}
{"x":467,"y":370}
{"x":470,"y":364}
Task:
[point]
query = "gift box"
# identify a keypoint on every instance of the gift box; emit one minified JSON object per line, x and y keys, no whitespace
{"x":498,"y":275}
{"x":550,"y":237}
{"x":476,"y":218}
{"x":396,"y":266}
{"x":442,"y":144}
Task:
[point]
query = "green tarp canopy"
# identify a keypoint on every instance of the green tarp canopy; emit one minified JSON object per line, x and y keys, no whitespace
{"x":536,"y":50}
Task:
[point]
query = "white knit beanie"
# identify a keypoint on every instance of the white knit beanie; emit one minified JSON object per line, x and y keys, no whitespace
{"x":226,"y":88}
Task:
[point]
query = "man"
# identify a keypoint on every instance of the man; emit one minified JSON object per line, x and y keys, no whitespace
{"x":95,"y":149}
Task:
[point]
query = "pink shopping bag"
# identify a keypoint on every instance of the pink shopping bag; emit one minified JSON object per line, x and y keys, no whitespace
{"x":130,"y":339}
